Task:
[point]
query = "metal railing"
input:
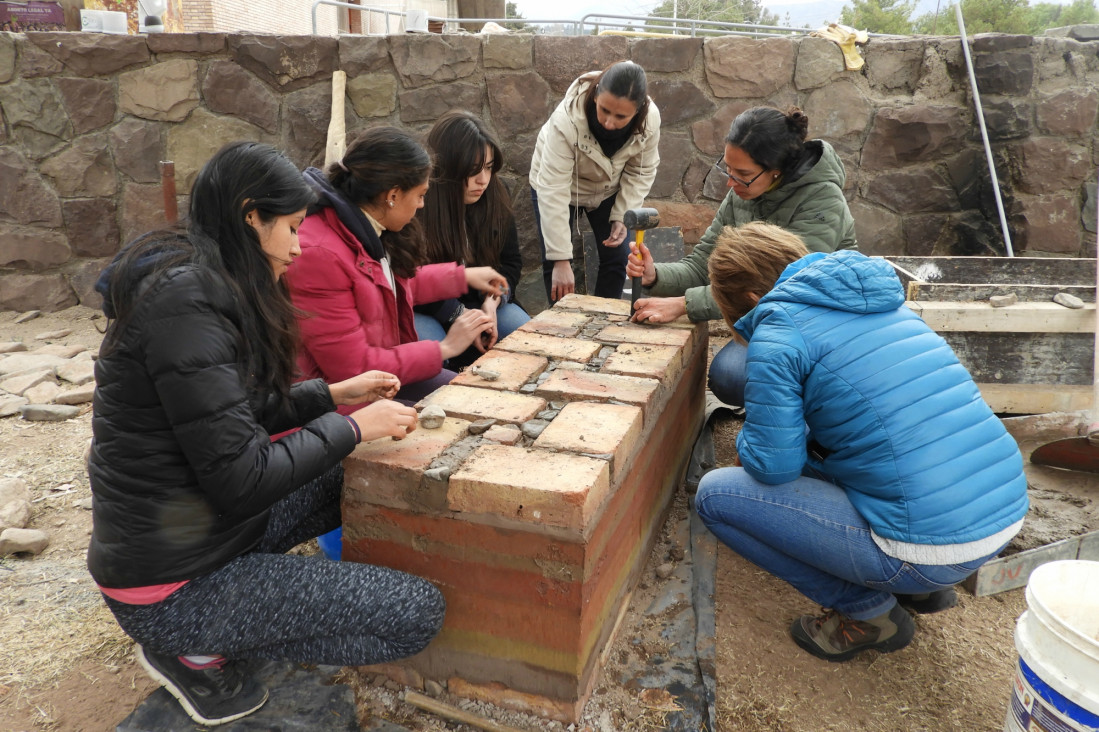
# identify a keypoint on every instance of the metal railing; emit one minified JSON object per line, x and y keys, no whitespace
{"x":575,"y":24}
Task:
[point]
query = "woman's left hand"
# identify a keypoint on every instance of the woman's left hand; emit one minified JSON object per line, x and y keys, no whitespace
{"x":486,"y":280}
{"x":366,"y":387}
{"x":618,"y":234}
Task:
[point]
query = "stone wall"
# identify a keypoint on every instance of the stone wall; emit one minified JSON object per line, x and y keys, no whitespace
{"x":87,"y":117}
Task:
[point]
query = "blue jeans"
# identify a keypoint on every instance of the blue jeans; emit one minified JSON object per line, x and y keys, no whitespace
{"x":509,"y":317}
{"x":807,"y":533}
{"x":728,"y":373}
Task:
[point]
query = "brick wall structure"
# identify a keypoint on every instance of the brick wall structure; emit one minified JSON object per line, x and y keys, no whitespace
{"x":535,"y":505}
{"x":86,"y":118}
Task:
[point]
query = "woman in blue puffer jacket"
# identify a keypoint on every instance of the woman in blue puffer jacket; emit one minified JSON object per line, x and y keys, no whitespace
{"x":871,"y":471}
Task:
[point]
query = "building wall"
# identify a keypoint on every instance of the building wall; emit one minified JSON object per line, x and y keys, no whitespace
{"x":285,"y":17}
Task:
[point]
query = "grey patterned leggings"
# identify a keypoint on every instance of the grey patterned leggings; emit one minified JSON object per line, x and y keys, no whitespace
{"x":270,"y":605}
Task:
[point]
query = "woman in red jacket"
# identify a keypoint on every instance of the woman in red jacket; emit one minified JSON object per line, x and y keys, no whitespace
{"x":359,"y":274}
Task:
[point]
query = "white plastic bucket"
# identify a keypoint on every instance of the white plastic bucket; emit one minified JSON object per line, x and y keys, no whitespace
{"x":1056,"y":685}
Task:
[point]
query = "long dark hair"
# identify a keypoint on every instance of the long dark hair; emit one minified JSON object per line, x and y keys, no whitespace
{"x":378,"y":160}
{"x":627,"y":80}
{"x":774,"y":139}
{"x":240,"y":178}
{"x":453,"y":230}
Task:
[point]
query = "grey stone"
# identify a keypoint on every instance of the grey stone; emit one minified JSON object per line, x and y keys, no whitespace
{"x":23,"y":541}
{"x":819,"y":61}
{"x":485,"y":373}
{"x":23,"y":382}
{"x":305,"y":124}
{"x":913,"y":190}
{"x":89,"y":102}
{"x":1009,"y":73}
{"x":518,"y":102}
{"x":528,"y":388}
{"x":1069,"y":301}
{"x":433,"y":688}
{"x":731,"y":77}
{"x":709,"y":134}
{"x":137,"y":149}
{"x":42,"y":393}
{"x":35,"y":105}
{"x":877,"y":229}
{"x":695,"y":177}
{"x":48,"y":412}
{"x":666,"y":54}
{"x":193,"y":44}
{"x":142,"y":210}
{"x":93,"y":54}
{"x":14,"y":515}
{"x":1070,"y":113}
{"x":507,"y":51}
{"x":548,"y":414}
{"x":480,"y":426}
{"x":560,"y":59}
{"x":716,"y":186}
{"x":968,"y":171}
{"x":166,"y":91}
{"x":893,"y":65}
{"x":61,"y":350}
{"x":28,"y":316}
{"x":363,"y":55}
{"x":84,"y":169}
{"x":1048,"y":165}
{"x":30,"y":292}
{"x":1046,"y":218}
{"x":85,"y":503}
{"x":91,"y":225}
{"x":15,"y":364}
{"x":13,"y":346}
{"x":1007,"y":118}
{"x":286,"y":62}
{"x":14,"y":489}
{"x":840,"y":114}
{"x":229,"y":89}
{"x":33,"y":62}
{"x":437,"y":474}
{"x":77,"y":371}
{"x":428,"y":104}
{"x":53,"y":335}
{"x":664,"y":571}
{"x":432,"y":417}
{"x":192,"y":143}
{"x":1003,"y":301}
{"x":82,"y":278}
{"x":7,"y":57}
{"x":676,"y":153}
{"x":911,"y":134}
{"x":11,"y":404}
{"x":534,"y":427}
{"x":679,"y":101}
{"x":922,"y":233}
{"x":36,"y":249}
{"x":1088,"y":216}
{"x":372,"y":95}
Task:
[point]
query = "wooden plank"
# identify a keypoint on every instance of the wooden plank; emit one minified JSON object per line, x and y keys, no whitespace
{"x":953,"y":292}
{"x":1028,"y":317}
{"x":1036,"y":398}
{"x":1025,"y":358}
{"x":1063,"y":271}
{"x":1008,"y":573}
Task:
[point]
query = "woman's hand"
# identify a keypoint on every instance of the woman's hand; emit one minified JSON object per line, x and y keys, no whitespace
{"x":385,"y":418}
{"x":618,"y":234}
{"x":366,"y":387}
{"x":486,"y":280}
{"x":561,"y":281}
{"x":465,"y":328}
{"x":640,"y":264}
{"x":492,"y":334}
{"x":659,"y":309}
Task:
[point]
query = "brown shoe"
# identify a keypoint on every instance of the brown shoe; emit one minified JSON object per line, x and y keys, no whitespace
{"x":836,"y":637}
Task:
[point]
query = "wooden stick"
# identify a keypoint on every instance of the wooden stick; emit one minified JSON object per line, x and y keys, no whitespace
{"x":454,"y":713}
{"x":337,"y":142}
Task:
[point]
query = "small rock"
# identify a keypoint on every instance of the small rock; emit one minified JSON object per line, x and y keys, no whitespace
{"x":547,"y":414}
{"x":77,"y":395}
{"x":54,"y":335}
{"x":1069,"y":301}
{"x":505,"y":434}
{"x":534,"y":427}
{"x":485,"y":373}
{"x":432,"y":417}
{"x":27,"y":316}
{"x":597,"y":455}
{"x":23,"y":541}
{"x":433,"y":688}
{"x":664,"y":571}
{"x":77,"y":371}
{"x":20,"y":363}
{"x":42,"y":393}
{"x":12,"y":347}
{"x":14,"y":514}
{"x":479,"y":427}
{"x":11,"y":404}
{"x":392,"y":685}
{"x":88,"y":452}
{"x":13,"y":489}
{"x":85,"y":503}
{"x":557,"y":406}
{"x":675,"y":553}
{"x":528,"y":388}
{"x":61,"y":350}
{"x":1002,"y":301}
{"x":439,"y":474}
{"x":48,"y":412}
{"x":24,"y":382}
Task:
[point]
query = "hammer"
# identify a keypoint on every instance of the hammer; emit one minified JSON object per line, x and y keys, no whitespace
{"x":639,"y":219}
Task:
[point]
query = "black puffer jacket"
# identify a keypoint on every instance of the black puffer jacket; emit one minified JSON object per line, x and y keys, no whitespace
{"x":182,"y":468}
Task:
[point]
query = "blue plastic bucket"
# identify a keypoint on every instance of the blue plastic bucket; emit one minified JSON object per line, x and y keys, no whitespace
{"x":332,"y":544}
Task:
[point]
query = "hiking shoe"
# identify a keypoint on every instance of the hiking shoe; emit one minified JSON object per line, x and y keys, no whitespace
{"x":929,"y":602}
{"x":210,"y":696}
{"x":836,"y":637}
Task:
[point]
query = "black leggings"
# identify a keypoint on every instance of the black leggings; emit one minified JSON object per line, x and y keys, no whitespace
{"x":270,"y":605}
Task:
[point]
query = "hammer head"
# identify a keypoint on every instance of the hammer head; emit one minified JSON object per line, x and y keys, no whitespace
{"x":641,"y":218}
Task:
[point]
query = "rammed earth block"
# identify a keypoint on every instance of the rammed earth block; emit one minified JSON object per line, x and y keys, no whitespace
{"x":536,"y":545}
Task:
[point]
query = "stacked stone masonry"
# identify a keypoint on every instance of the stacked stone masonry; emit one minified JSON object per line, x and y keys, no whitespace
{"x":537,"y":527}
{"x":87,"y":117}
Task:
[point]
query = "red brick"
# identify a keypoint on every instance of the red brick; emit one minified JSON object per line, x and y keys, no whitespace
{"x":568,"y":349}
{"x":592,"y":304}
{"x":579,"y":385}
{"x":654,"y":335}
{"x":584,"y":427}
{"x":654,"y":362}
{"x":515,"y":369}
{"x":557,"y":322}
{"x":472,"y":403}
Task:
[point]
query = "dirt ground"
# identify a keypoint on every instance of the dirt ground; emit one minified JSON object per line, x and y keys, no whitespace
{"x":65,"y":665}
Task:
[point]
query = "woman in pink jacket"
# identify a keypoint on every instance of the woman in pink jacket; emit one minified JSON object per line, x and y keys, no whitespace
{"x":360,"y":273}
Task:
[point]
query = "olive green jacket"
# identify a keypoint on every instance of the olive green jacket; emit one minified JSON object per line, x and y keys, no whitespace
{"x":811,"y":206}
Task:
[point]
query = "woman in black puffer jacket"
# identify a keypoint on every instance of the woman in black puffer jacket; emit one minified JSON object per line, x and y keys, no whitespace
{"x":193,"y":504}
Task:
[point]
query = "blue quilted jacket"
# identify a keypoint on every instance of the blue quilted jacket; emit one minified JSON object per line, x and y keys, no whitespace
{"x":899,"y":423}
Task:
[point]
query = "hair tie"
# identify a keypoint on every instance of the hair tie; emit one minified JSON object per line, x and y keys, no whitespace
{"x":342,"y":166}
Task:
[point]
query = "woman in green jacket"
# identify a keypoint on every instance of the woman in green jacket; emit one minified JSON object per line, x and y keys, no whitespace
{"x":776,"y":175}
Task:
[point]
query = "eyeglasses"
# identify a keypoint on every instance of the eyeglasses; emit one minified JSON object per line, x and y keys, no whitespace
{"x":719,"y":166}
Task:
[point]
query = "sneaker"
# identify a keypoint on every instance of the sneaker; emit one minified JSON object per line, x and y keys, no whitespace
{"x":836,"y":637}
{"x":929,"y":602}
{"x":210,"y":696}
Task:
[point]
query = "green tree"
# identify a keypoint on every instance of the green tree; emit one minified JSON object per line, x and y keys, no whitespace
{"x":723,"y":11}
{"x":880,"y":16}
{"x":1052,"y":15}
{"x":980,"y":16}
{"x":510,"y":11}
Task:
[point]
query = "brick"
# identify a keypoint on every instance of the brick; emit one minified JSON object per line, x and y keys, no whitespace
{"x":592,"y":304}
{"x":515,"y":369}
{"x":504,"y":434}
{"x":556,"y":322}
{"x":653,"y":362}
{"x":471,"y":403}
{"x":568,"y":349}
{"x":530,"y":486}
{"x":583,"y":427}
{"x":576,"y":386}
{"x":645,"y":334}
{"x":389,"y":472}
